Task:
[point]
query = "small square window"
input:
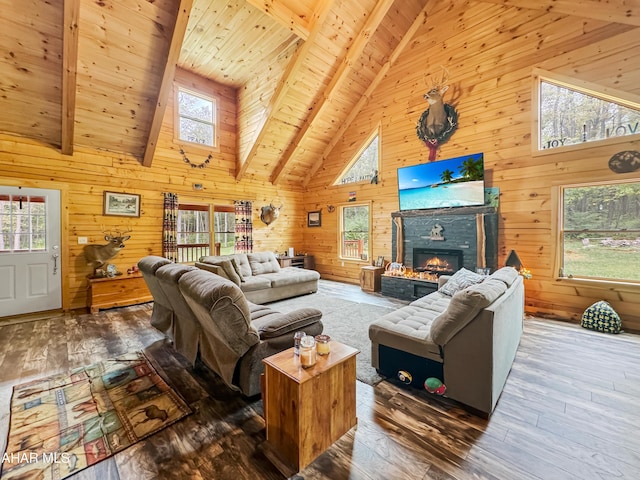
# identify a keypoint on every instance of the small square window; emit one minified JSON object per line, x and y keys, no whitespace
{"x":196,"y":118}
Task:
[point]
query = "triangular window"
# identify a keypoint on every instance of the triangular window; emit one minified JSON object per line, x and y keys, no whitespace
{"x":364,"y":166}
{"x":573,"y":115}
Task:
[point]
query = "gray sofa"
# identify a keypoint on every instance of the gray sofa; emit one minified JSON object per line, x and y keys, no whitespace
{"x":467,"y":339}
{"x":207,"y":317}
{"x":260,"y":276}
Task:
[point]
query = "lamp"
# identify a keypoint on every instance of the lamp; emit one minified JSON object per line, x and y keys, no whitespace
{"x":513,"y":260}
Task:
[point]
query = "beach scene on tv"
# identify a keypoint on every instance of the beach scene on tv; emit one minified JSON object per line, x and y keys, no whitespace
{"x":456,"y":182}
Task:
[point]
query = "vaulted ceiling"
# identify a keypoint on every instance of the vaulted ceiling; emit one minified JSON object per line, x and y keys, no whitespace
{"x":99,"y":73}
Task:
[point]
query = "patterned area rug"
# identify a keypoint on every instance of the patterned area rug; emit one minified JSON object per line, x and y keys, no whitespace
{"x":64,"y":423}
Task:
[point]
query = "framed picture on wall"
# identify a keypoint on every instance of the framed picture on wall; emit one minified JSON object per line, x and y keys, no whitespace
{"x":121,"y":204}
{"x":314,"y":219}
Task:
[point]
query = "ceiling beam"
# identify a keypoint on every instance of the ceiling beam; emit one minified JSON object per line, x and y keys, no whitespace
{"x":342,"y":74}
{"x":283,"y":15}
{"x":616,"y":11}
{"x":166,"y":85}
{"x":295,"y":65}
{"x":420,"y":20}
{"x":71,"y":15}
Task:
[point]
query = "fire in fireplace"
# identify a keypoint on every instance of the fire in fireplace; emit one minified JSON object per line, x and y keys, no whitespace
{"x":437,"y":261}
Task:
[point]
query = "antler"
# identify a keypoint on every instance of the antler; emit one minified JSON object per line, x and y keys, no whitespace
{"x":121,"y":233}
{"x":438,"y":84}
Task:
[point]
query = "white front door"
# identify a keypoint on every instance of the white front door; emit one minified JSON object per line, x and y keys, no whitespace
{"x":30,"y":276}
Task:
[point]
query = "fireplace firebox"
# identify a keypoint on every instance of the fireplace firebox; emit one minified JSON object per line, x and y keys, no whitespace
{"x":437,"y":261}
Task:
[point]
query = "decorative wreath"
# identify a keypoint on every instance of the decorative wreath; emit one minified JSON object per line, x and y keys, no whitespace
{"x":433,"y":142}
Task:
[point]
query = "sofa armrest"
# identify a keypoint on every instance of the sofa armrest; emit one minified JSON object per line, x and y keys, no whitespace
{"x":277,"y":324}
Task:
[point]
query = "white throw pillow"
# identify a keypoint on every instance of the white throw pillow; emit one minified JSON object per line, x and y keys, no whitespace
{"x":460,"y":280}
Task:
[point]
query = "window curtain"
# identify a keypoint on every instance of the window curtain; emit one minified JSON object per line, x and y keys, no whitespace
{"x":170,"y":227}
{"x":244,"y":226}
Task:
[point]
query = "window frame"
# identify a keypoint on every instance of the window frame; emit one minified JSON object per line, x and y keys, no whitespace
{"x":341,"y":208}
{"x":625,"y":99}
{"x":557,"y":197}
{"x":176,"y":118}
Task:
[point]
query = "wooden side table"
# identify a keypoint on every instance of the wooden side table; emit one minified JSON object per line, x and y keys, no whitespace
{"x":307,"y":410}
{"x":120,"y":291}
{"x":370,"y":278}
{"x":300,"y":261}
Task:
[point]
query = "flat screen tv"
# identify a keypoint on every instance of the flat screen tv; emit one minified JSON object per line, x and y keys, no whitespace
{"x":456,"y":182}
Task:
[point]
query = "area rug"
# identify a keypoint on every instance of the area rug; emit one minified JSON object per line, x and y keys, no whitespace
{"x":345,"y":321}
{"x":64,"y":423}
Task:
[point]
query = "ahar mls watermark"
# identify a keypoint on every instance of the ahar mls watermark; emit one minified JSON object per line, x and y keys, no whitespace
{"x":34,"y":457}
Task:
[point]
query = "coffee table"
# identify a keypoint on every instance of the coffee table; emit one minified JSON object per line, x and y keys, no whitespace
{"x":307,"y":410}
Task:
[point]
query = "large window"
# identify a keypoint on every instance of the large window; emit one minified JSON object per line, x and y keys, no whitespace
{"x":600,"y":231}
{"x":196,"y":118}
{"x":355,"y":232}
{"x":572,"y":112}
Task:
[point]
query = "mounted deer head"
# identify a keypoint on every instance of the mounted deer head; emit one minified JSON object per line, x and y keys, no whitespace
{"x":98,"y":255}
{"x":436,"y":120}
{"x":270,"y":213}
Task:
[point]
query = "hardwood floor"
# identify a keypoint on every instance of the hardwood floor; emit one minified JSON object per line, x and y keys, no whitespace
{"x":570,"y":409}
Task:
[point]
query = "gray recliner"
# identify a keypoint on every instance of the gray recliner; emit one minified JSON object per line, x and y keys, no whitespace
{"x":162,"y":314}
{"x":237,"y":334}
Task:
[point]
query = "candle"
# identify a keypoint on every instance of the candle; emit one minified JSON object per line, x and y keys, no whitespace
{"x":322,"y":344}
{"x":307,"y":351}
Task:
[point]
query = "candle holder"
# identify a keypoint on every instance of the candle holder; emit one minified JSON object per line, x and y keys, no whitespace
{"x":322,"y":344}
{"x":296,"y":342}
{"x":307,"y":351}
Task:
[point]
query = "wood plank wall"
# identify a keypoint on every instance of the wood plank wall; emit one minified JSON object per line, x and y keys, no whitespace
{"x":491,"y":52}
{"x":84,"y":177}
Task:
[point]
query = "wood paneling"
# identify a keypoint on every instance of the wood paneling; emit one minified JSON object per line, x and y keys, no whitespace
{"x":491,"y":51}
{"x":87,"y":173}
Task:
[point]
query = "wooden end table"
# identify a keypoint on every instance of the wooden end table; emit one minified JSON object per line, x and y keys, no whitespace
{"x":307,"y":410}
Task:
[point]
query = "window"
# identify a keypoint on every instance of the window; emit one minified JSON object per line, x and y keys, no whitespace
{"x":22,"y":223}
{"x":355,"y":231}
{"x":193,"y":232}
{"x":365,"y":164}
{"x":573,"y":115}
{"x":600,"y":231}
{"x":196,"y":118}
{"x":224,"y":228}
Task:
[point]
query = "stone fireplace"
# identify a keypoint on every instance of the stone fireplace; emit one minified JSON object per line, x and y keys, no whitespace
{"x":471,"y":233}
{"x":430,"y":243}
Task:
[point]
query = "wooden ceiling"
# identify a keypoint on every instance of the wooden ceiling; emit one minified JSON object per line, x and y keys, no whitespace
{"x":99,"y":73}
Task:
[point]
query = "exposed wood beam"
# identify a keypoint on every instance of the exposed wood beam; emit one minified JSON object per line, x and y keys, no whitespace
{"x":167,"y":80}
{"x":284,"y":15}
{"x":420,"y":20}
{"x":342,"y":74}
{"x":295,"y":65}
{"x":616,"y":11}
{"x":69,"y":73}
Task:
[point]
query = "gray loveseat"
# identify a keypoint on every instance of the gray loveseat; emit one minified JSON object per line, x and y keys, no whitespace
{"x":260,"y":276}
{"x":467,"y":340}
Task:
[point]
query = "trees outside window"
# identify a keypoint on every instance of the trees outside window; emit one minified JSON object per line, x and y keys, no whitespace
{"x":355,"y":232}
{"x":365,"y":164}
{"x":224,"y":228}
{"x":571,"y":115}
{"x":196,"y":118}
{"x":22,"y":223}
{"x":600,"y":231}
